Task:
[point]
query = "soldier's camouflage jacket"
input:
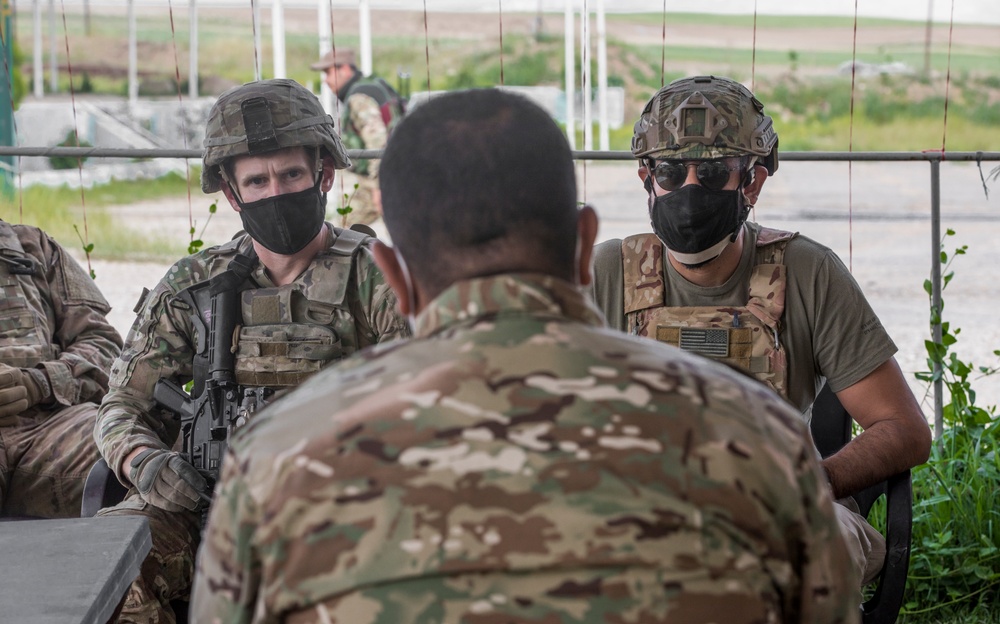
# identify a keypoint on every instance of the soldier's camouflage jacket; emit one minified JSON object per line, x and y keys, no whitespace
{"x":341,"y":301}
{"x":519,"y":462}
{"x":361,"y":124}
{"x":52,"y":316}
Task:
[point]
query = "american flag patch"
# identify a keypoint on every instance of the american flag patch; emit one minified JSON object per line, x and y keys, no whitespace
{"x":707,"y":342}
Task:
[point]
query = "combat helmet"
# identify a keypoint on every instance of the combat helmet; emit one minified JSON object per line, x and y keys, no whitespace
{"x":705,"y":117}
{"x":264,"y":116}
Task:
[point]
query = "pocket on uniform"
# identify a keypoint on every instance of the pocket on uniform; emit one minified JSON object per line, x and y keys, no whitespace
{"x":283,"y":355}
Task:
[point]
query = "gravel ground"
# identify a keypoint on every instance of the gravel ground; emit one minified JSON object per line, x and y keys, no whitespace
{"x":885,"y":239}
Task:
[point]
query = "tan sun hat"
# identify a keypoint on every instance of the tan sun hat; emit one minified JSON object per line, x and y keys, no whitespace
{"x":344,"y":56}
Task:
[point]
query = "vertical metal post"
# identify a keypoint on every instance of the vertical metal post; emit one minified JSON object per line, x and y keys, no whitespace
{"x":6,"y":99}
{"x":36,"y":49}
{"x":193,"y":49}
{"x":588,"y":125}
{"x":53,"y":59}
{"x":258,"y":69}
{"x":133,"y":57}
{"x":570,"y":62}
{"x":278,"y":38}
{"x":365,"y":36}
{"x":323,"y":21}
{"x":602,"y":78}
{"x":936,"y":290}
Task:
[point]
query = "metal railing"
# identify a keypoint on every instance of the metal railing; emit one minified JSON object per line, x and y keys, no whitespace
{"x":933,"y":158}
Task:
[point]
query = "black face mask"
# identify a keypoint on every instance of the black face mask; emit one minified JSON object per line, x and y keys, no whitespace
{"x":693,"y":218}
{"x":285,"y":223}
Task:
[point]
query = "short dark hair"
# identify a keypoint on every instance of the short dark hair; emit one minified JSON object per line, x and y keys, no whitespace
{"x":477,"y":183}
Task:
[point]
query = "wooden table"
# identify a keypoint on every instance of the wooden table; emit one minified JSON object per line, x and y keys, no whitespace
{"x":69,"y":571}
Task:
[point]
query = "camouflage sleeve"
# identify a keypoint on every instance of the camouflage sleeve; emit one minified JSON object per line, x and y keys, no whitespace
{"x":228,"y":571}
{"x":367,"y":120}
{"x":159,"y":345}
{"x":828,"y":586}
{"x":87,"y":343}
{"x":376,"y":303}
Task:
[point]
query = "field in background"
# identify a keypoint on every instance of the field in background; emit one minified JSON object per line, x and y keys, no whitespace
{"x":793,"y":63}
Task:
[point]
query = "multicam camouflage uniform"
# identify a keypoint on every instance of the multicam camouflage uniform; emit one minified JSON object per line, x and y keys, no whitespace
{"x":52,"y":322}
{"x":519,"y":462}
{"x":362,"y":127}
{"x":339,"y":296}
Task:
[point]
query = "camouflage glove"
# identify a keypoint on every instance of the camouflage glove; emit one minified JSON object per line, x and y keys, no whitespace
{"x":165,"y":480}
{"x":19,"y":390}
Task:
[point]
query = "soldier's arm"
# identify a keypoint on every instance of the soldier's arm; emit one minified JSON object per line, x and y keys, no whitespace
{"x":86,"y":341}
{"x":159,"y":345}
{"x":227,"y":578}
{"x":366,"y":117}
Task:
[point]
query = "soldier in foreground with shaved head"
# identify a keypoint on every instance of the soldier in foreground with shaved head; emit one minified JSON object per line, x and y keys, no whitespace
{"x":516,"y":461}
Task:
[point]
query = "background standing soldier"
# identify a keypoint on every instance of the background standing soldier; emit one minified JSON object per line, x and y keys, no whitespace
{"x":56,"y":348}
{"x":788,"y":310}
{"x":369,"y":109}
{"x":516,"y":461}
{"x":308,"y":294}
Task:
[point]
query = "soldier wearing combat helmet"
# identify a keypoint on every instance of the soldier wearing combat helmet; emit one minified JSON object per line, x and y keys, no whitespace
{"x":778,"y":305}
{"x":305,"y":294}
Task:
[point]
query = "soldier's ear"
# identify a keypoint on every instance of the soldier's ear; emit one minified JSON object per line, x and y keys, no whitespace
{"x":329,"y":173}
{"x":586,"y":234}
{"x":395,"y":275}
{"x":643,"y":171}
{"x":228,"y":192}
{"x":752,"y":190}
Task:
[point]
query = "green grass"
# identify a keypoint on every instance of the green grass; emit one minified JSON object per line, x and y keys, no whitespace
{"x":60,"y":212}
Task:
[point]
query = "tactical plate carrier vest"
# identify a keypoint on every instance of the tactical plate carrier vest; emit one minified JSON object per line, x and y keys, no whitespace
{"x":286,"y":334}
{"x":745,"y":336}
{"x":22,"y":334}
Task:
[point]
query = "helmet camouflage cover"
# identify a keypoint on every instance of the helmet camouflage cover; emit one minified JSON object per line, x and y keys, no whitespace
{"x":264,"y":116}
{"x":705,"y":117}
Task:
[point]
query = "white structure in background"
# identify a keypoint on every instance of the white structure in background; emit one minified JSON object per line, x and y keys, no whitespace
{"x":36,"y":19}
{"x":568,"y":113}
{"x":278,"y":37}
{"x":602,"y":77}
{"x":326,"y":96}
{"x":133,"y":57}
{"x":258,"y":70}
{"x":193,"y":49}
{"x":570,"y":71}
{"x":585,"y":81}
{"x":365,"y":35}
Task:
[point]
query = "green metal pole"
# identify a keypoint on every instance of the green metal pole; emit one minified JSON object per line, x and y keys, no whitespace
{"x":6,"y":100}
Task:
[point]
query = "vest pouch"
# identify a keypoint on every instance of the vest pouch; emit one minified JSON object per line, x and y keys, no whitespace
{"x":284,"y":354}
{"x":21,"y":341}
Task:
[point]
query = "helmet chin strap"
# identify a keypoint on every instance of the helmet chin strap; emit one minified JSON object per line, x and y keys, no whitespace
{"x":701,"y":257}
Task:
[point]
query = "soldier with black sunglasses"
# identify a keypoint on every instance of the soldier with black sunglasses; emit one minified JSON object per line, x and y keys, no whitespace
{"x":778,"y":305}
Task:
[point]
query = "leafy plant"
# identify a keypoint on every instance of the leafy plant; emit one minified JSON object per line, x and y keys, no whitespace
{"x":69,"y":162}
{"x":87,"y":248}
{"x":955,"y":562}
{"x":346,"y":209}
{"x":198,"y":243}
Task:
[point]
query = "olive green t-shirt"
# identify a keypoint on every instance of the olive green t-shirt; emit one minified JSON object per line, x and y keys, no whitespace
{"x":829,"y":330}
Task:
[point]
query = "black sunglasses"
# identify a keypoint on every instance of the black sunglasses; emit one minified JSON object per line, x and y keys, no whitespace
{"x":712,"y":174}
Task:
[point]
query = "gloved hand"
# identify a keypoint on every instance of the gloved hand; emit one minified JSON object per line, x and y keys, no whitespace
{"x":165,"y":480}
{"x":19,"y":391}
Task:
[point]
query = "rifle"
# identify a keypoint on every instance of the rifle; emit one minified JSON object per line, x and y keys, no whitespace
{"x":221,"y":405}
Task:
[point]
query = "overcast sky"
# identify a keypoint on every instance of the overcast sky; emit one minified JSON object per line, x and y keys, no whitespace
{"x":965,"y":11}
